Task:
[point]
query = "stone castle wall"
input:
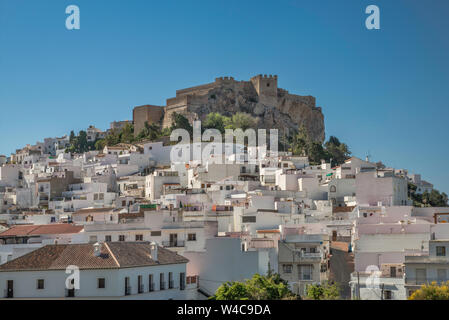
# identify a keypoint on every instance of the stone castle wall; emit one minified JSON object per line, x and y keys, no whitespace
{"x":273,"y":107}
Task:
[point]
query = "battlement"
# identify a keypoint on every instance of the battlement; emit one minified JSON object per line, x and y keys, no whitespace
{"x":264,"y":76}
{"x":224,"y":79}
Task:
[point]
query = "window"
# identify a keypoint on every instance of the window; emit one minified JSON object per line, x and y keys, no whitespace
{"x":333,"y":189}
{"x":123,"y":203}
{"x":305,"y":272}
{"x":182,"y":281}
{"x":191,"y":237}
{"x":40,"y":284}
{"x":101,"y":283}
{"x":441,"y":251}
{"x":139,"y":284}
{"x":95,"y":196}
{"x":150,"y":283}
{"x":127,"y":287}
{"x":387,"y":295}
{"x":161,"y":282}
{"x":156,"y":233}
{"x":121,"y":237}
{"x":287,"y":268}
{"x":107,"y":238}
{"x":170,"y":280}
{"x":139,"y":237}
{"x":249,"y":219}
{"x":421,"y":276}
{"x":92,"y":239}
{"x":191,"y":279}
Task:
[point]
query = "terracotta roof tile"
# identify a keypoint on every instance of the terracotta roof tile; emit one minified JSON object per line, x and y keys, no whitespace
{"x":57,"y":228}
{"x":113,"y":255}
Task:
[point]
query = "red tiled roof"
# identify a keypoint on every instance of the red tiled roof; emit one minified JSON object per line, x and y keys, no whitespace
{"x":269,"y":231}
{"x":343,"y":209}
{"x":113,"y":255}
{"x":28,"y":230}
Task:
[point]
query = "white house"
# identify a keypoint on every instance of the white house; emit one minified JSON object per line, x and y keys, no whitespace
{"x":115,"y":270}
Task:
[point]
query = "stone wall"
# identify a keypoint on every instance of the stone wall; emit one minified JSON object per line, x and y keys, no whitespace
{"x":146,"y":113}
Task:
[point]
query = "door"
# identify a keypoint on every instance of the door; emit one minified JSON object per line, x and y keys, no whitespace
{"x":10,"y":289}
{"x":71,"y":292}
{"x":127,"y":287}
{"x":334,"y":235}
{"x":393,"y":272}
{"x":173,"y":239}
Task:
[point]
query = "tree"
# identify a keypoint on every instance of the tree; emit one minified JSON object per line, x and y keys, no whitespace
{"x":100,"y":144}
{"x":181,"y":122}
{"x":81,"y":140}
{"x":217,"y":121}
{"x":269,"y":287}
{"x":333,"y":149}
{"x":432,"y":291}
{"x":72,"y":137}
{"x":338,"y":151}
{"x":324,"y":291}
{"x":432,"y":199}
{"x":127,"y":134}
{"x":240,"y":120}
{"x":113,"y":138}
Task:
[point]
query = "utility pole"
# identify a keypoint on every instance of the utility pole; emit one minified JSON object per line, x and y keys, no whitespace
{"x":358,"y":285}
{"x":382,"y":292}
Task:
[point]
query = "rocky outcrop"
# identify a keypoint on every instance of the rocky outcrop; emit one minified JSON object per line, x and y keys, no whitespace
{"x":260,"y":97}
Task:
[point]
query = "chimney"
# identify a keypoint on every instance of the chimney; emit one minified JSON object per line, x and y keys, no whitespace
{"x":153,"y":249}
{"x":97,"y":249}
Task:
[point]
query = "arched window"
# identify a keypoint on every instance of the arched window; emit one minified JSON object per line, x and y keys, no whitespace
{"x":333,"y":189}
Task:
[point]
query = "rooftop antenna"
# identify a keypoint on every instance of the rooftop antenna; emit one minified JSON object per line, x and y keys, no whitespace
{"x":368,"y":156}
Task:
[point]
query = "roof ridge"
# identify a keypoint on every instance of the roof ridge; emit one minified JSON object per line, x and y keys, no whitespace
{"x":112,"y":254}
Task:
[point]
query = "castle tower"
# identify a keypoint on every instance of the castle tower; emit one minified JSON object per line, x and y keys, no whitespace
{"x":146,"y":113}
{"x":266,"y":87}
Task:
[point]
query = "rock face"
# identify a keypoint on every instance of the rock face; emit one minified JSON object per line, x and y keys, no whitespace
{"x":260,"y":97}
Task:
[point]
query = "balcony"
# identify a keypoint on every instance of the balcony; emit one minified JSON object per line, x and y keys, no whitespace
{"x":311,"y":255}
{"x":420,"y":281}
{"x":173,"y":244}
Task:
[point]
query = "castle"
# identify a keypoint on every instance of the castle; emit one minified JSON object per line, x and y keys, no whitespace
{"x":260,"y":97}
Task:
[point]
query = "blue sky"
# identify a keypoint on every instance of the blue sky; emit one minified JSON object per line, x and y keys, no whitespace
{"x":384,"y":91}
